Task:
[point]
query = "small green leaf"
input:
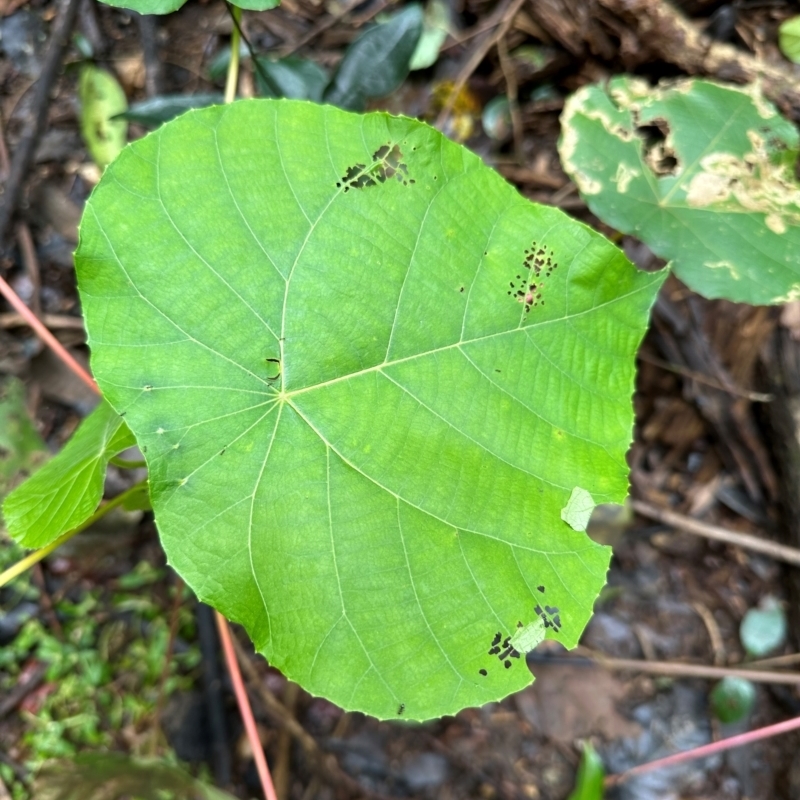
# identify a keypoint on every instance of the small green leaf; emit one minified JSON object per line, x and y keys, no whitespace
{"x":789,"y":39}
{"x":67,"y":490}
{"x":168,"y":6}
{"x":257,"y":5}
{"x":529,"y":636}
{"x":591,"y":773}
{"x":578,"y":510}
{"x":366,"y":375}
{"x":763,"y":629}
{"x":21,"y":447}
{"x":702,"y":173}
{"x":435,"y":27}
{"x":102,"y":101}
{"x":378,"y":61}
{"x":295,"y":78}
{"x":156,"y":111}
{"x":732,"y":699}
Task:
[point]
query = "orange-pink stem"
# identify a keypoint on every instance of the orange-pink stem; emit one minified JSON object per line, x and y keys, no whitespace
{"x":44,"y":334}
{"x":245,"y":710}
{"x":708,"y":749}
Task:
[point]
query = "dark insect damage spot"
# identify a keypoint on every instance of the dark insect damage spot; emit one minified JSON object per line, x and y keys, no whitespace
{"x":550,"y":616}
{"x":222,"y":452}
{"x":539,"y":265}
{"x":483,"y":672}
{"x":507,"y":650}
{"x":277,"y":375}
{"x":519,"y":624}
{"x":656,"y":152}
{"x":401,"y":708}
{"x":540,"y":589}
{"x":387,"y":163}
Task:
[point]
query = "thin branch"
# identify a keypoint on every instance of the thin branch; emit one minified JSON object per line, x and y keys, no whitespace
{"x":325,"y":763}
{"x":707,"y":750}
{"x":754,"y":397}
{"x":245,"y":710}
{"x":745,"y":540}
{"x":678,"y":670}
{"x":505,"y":16}
{"x":39,"y":329}
{"x":24,"y":152}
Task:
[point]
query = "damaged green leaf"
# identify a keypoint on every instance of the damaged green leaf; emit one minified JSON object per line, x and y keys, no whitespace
{"x":700,"y":172}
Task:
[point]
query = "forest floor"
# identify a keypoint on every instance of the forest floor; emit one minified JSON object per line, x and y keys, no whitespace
{"x":103,"y":648}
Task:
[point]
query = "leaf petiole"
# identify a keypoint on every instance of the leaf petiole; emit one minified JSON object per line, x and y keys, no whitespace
{"x":232,"y":80}
{"x":124,"y":463}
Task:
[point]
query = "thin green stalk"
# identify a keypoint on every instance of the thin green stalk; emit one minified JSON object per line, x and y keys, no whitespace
{"x":124,"y":463}
{"x":233,"y":67}
{"x":37,"y":555}
{"x":254,"y":59}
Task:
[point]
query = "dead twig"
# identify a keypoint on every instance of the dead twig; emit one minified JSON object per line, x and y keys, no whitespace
{"x":505,"y":16}
{"x":662,"y":32}
{"x":31,"y":262}
{"x":753,"y":397}
{"x":779,"y":552}
{"x":283,"y":765}
{"x":511,"y":92}
{"x":23,"y":154}
{"x":717,"y":643}
{"x":673,"y":669}
{"x":148,"y":33}
{"x":319,"y":28}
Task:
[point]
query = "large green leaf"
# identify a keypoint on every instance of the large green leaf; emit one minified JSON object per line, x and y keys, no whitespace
{"x":366,"y":375}
{"x":703,"y":173}
{"x":67,"y":490}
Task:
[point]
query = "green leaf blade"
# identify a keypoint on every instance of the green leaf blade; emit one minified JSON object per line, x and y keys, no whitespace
{"x":379,"y":504}
{"x":726,"y":213}
{"x":66,"y":491}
